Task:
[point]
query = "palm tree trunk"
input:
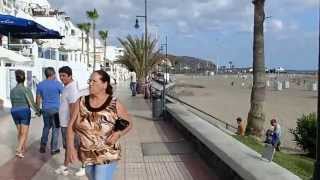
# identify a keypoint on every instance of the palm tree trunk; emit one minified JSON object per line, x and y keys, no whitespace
{"x":81,"y":59}
{"x":88,"y":49}
{"x":94,"y":45}
{"x":256,"y":116}
{"x":104,"y":53}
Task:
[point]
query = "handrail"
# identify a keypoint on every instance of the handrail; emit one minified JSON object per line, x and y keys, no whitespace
{"x":227,"y":125}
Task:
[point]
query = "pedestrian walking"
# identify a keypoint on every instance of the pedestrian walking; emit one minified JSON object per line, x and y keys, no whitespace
{"x":99,"y":120}
{"x":48,"y":94}
{"x":22,"y":100}
{"x":133,"y":82}
{"x":68,"y":98}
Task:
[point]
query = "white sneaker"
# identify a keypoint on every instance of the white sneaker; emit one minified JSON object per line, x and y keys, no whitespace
{"x":62,"y":170}
{"x":81,"y":172}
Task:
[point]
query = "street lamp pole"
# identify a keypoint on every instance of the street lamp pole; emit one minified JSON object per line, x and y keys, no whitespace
{"x":165,"y":75}
{"x":316,"y":173}
{"x":145,"y":41}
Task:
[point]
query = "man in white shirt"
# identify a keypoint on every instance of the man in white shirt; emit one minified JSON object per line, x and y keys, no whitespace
{"x":68,"y":97}
{"x":133,"y":82}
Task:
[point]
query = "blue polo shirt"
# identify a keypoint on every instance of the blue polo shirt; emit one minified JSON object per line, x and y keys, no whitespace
{"x":50,"y":91}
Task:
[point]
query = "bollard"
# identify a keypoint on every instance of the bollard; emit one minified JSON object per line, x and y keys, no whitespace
{"x":156,"y":105}
{"x":286,"y":85}
{"x":314,"y":87}
{"x":278,"y":86}
{"x":268,"y":83}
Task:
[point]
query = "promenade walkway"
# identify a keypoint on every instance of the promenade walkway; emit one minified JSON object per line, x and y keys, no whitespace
{"x":152,"y":150}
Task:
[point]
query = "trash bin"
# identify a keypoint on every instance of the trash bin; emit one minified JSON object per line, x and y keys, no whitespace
{"x":156,"y":105}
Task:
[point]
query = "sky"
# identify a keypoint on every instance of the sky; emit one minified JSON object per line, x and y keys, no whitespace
{"x":215,"y":30}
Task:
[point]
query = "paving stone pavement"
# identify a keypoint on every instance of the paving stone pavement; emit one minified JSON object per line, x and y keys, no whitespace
{"x":134,"y":165}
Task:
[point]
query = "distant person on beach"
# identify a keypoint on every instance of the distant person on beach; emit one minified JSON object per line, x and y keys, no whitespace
{"x":133,"y":82}
{"x":68,"y":98}
{"x":48,"y":93}
{"x":241,"y":128}
{"x":276,"y":134}
{"x":21,"y":100}
{"x":99,"y":119}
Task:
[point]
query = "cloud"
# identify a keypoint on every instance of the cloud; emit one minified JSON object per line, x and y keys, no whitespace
{"x":276,"y":25}
{"x":306,"y":3}
{"x":183,"y":26}
{"x":202,"y":14}
{"x":186,"y":17}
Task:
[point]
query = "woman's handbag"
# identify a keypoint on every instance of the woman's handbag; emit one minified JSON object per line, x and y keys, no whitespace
{"x":120,"y":124}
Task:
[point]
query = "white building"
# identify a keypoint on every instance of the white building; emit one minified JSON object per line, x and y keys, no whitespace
{"x":33,"y":56}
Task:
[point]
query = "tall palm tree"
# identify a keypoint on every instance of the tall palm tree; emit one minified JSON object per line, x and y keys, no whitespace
{"x":93,"y":15}
{"x":86,"y":29}
{"x":104,"y":36}
{"x":133,"y":57}
{"x":256,"y":115}
{"x":81,"y":27}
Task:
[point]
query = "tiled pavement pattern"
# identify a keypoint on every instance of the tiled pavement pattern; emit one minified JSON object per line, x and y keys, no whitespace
{"x":134,"y":165}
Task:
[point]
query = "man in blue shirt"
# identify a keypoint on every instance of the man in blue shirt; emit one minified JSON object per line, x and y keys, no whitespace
{"x":48,"y":92}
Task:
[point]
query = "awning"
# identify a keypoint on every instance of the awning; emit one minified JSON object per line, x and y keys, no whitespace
{"x":23,"y":28}
{"x":8,"y":55}
{"x":49,"y":34}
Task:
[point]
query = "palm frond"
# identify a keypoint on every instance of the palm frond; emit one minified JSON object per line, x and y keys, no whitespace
{"x":133,"y":57}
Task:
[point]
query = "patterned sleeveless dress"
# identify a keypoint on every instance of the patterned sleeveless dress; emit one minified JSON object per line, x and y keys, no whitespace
{"x":94,"y":126}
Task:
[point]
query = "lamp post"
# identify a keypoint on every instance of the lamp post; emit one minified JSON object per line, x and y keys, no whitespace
{"x":165,"y":76}
{"x":145,"y":40}
{"x":316,"y":173}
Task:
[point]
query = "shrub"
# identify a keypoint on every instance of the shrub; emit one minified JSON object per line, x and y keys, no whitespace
{"x":306,"y":132}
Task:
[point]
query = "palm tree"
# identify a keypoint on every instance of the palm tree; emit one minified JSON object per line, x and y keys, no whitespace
{"x":86,"y":29}
{"x":133,"y":57}
{"x":81,"y":27}
{"x":104,"y":36}
{"x":256,"y":115}
{"x":93,"y":15}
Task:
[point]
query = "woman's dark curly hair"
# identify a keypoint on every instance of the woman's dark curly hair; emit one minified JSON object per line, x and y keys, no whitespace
{"x":105,"y":78}
{"x":20,"y":76}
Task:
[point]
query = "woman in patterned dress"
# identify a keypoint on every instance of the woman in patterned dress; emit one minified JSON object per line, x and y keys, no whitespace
{"x":93,"y":121}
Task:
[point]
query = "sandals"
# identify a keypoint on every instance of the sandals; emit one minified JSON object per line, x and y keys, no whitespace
{"x":19,"y":154}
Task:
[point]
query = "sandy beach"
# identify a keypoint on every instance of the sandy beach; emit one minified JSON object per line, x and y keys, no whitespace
{"x":216,"y":96}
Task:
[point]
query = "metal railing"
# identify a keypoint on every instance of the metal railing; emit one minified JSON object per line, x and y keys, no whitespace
{"x":168,"y":94}
{"x":226,"y":125}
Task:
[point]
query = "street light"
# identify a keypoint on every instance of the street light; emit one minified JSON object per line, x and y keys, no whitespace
{"x":316,"y":173}
{"x":145,"y":40}
{"x":137,"y":24}
{"x":165,"y":76}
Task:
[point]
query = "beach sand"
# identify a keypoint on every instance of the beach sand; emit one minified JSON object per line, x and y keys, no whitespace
{"x":226,"y":102}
